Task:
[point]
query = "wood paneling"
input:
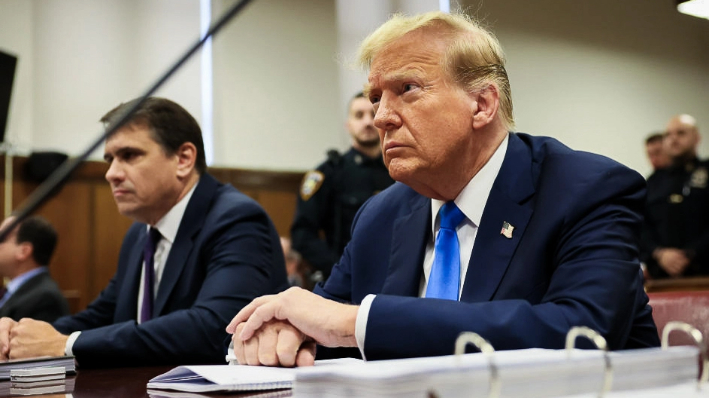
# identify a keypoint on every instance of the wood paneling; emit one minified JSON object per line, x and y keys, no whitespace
{"x":109,"y":227}
{"x":677,"y":284}
{"x":91,"y":229}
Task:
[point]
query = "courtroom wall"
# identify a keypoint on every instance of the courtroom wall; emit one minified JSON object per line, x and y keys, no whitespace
{"x":598,"y":74}
{"x":601,"y":75}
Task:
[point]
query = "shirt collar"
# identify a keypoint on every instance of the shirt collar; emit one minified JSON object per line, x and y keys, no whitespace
{"x":471,"y":200}
{"x":170,"y":223}
{"x":18,"y":281}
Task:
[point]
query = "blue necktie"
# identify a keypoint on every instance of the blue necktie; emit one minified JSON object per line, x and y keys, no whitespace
{"x":444,"y":280}
{"x":146,"y":307}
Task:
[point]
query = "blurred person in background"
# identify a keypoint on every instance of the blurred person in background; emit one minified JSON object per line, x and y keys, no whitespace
{"x":24,"y":260}
{"x":675,"y":240}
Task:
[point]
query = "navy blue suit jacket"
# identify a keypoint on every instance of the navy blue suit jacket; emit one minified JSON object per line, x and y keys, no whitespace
{"x":572,"y":259}
{"x":225,"y":254}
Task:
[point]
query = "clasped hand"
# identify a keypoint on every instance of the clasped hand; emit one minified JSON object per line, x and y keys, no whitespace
{"x":283,"y":329}
{"x":673,"y":261}
{"x":29,"y":338}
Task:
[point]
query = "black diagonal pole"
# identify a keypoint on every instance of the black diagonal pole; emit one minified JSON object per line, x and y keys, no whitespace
{"x":62,"y":174}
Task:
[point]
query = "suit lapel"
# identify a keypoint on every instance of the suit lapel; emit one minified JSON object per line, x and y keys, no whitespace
{"x":127,"y":302}
{"x":191,"y":224}
{"x":507,"y":202}
{"x":408,"y":248}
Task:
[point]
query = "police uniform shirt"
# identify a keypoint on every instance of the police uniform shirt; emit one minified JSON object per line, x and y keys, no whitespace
{"x":329,"y":199}
{"x":677,"y":216}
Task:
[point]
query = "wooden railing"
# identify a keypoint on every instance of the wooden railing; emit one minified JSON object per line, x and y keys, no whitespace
{"x":677,"y":284}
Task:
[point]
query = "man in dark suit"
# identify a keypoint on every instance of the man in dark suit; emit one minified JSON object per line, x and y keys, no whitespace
{"x":532,"y":238}
{"x":24,"y":258}
{"x":198,"y":252}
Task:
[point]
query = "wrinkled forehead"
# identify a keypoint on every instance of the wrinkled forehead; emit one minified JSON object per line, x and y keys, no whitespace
{"x":406,"y":55}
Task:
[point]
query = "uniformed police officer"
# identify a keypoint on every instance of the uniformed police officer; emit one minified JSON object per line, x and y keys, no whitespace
{"x":676,"y":230}
{"x":331,"y":195}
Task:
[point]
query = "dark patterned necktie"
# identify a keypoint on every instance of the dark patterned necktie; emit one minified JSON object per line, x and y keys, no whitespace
{"x":146,"y":307}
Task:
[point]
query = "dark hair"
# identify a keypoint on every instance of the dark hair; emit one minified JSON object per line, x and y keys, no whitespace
{"x":653,"y":138}
{"x":170,"y":125}
{"x":358,"y":95}
{"x":43,"y":237}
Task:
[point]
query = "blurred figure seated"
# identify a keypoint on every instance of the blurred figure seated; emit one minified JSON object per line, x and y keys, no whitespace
{"x":295,"y":269}
{"x":24,"y":257}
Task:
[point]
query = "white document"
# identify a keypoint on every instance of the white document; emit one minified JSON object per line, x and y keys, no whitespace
{"x":211,"y":378}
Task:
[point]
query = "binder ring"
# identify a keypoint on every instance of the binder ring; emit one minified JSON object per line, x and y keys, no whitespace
{"x":698,"y":340}
{"x":486,"y":348}
{"x":599,"y":342}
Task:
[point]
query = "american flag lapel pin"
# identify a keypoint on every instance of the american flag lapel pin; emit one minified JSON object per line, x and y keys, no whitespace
{"x":507,"y":229}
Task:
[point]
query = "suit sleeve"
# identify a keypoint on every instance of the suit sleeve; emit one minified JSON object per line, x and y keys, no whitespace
{"x":48,"y":306}
{"x":98,"y":313}
{"x":311,"y":215}
{"x":650,"y":238}
{"x":239,"y":263}
{"x":595,"y":282}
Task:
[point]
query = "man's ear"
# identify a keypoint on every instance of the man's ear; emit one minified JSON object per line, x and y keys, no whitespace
{"x":186,"y":159}
{"x":23,"y":251}
{"x":486,"y":103}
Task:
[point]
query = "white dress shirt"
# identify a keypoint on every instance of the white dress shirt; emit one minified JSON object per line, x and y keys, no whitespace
{"x":471,"y":201}
{"x":167,"y":226}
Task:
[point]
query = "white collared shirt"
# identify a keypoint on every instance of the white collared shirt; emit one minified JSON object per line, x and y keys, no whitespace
{"x":168,"y":227}
{"x":471,"y":201}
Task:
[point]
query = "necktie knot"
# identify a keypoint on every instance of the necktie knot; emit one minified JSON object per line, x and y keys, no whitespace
{"x":444,"y":278}
{"x":451,"y":215}
{"x":151,"y":244}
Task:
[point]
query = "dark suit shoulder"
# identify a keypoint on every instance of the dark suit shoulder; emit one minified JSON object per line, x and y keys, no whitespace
{"x":397,"y":199}
{"x":229,"y":200}
{"x":549,"y":149}
{"x":578,"y":168}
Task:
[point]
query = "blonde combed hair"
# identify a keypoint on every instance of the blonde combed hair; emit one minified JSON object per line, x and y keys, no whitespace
{"x":474,"y":57}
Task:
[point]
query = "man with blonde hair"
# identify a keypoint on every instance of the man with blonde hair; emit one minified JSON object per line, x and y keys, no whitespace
{"x":532,"y":238}
{"x":676,"y":229}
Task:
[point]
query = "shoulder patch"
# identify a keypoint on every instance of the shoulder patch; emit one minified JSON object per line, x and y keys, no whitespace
{"x":312,"y":181}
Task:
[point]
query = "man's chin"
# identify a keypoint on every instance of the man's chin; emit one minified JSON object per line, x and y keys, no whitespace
{"x":126,"y":209}
{"x":368,"y":143}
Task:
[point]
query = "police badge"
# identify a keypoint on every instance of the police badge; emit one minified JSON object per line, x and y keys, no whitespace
{"x":699,"y":178}
{"x":312,"y":181}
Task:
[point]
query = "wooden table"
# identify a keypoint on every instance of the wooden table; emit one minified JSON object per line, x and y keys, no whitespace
{"x":119,"y":383}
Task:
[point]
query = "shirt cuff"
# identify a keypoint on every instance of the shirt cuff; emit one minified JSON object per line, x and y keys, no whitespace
{"x":70,"y":343}
{"x":361,"y":322}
